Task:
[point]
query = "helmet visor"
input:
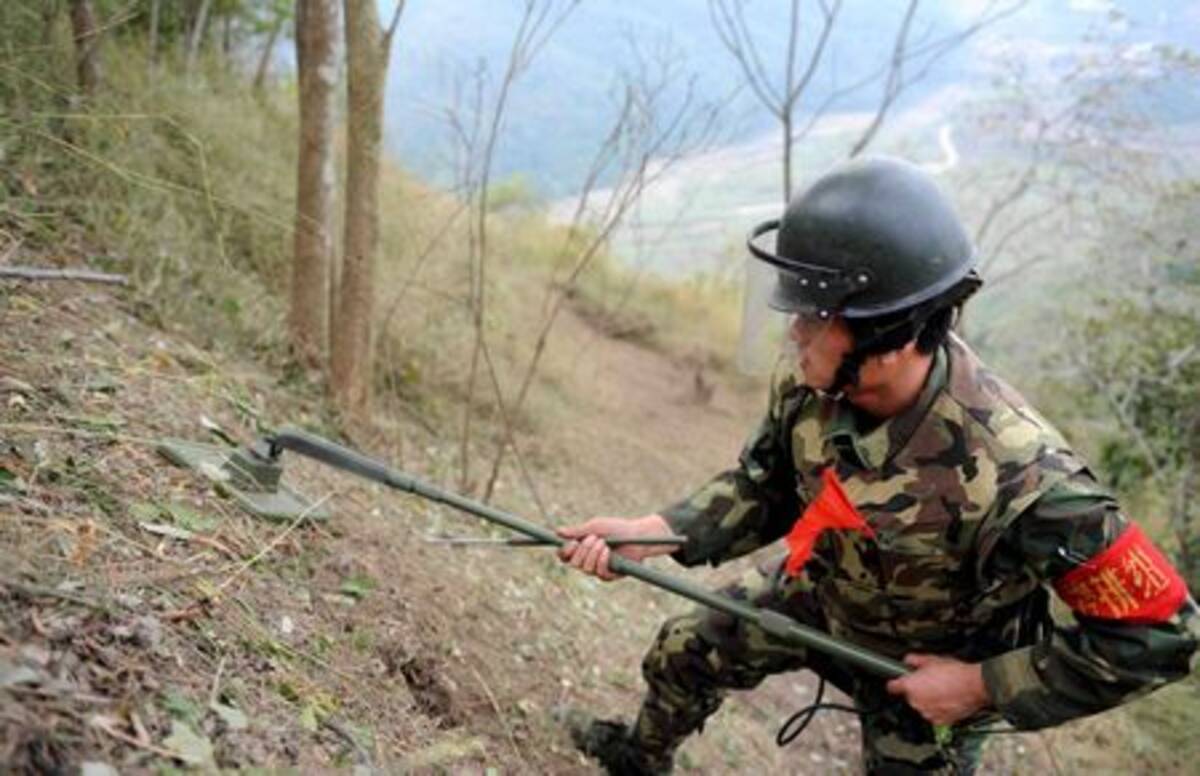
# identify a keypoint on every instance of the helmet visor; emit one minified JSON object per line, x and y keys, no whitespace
{"x":764,"y":326}
{"x":791,"y":295}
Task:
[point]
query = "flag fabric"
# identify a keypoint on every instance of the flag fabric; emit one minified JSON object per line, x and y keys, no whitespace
{"x":831,"y":509}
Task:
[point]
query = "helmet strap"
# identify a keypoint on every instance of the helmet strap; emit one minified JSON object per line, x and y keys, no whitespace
{"x":847,"y":373}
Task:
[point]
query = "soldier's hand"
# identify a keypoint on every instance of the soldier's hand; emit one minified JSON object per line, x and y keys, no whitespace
{"x":589,"y":553}
{"x":942,"y":690}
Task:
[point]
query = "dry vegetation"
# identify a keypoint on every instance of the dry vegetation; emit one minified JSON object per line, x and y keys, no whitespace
{"x":148,"y":623}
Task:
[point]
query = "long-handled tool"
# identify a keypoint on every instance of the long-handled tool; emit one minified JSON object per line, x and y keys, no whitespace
{"x":529,"y":541}
{"x":259,"y":467}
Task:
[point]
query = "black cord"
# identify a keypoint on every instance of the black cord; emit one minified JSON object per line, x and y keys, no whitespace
{"x":796,"y":723}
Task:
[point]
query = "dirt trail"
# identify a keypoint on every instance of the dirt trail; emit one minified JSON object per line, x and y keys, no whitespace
{"x":146,"y":620}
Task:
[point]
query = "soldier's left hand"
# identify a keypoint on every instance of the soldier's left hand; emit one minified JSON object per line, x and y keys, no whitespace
{"x":942,"y":690}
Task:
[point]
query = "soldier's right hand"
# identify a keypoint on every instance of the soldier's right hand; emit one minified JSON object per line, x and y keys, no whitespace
{"x":588,"y":552}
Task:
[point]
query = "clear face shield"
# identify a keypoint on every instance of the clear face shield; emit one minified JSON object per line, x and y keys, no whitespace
{"x":763,"y":340}
{"x":772,"y":340}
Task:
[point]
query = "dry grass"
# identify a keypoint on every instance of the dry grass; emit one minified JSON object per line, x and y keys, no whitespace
{"x":346,"y":642}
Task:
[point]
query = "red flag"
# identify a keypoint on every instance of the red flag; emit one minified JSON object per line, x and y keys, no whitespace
{"x":830,"y":509}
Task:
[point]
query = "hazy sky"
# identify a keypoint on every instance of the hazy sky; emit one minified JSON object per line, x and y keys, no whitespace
{"x":560,"y":107}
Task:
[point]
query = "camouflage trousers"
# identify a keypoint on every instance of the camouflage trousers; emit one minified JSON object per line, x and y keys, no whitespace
{"x":698,"y":657}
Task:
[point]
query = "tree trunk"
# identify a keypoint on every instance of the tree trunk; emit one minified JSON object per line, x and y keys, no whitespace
{"x":50,"y":9}
{"x":227,"y":35}
{"x":351,"y":359}
{"x":196,"y":35}
{"x":264,"y":62}
{"x":87,"y":45}
{"x":786,"y":125}
{"x":153,"y":44}
{"x":308,"y":320}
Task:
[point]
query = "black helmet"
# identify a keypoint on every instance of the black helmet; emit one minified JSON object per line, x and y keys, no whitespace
{"x":871,"y":237}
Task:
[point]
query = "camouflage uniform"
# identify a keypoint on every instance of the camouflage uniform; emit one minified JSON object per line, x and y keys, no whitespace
{"x":976,"y":504}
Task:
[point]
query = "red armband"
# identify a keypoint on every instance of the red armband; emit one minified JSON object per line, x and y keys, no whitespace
{"x":1130,"y":581}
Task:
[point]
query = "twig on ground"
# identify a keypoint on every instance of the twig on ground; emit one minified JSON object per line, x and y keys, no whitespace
{"x":10,"y":250}
{"x":48,"y":694}
{"x":364,"y":757}
{"x":300,"y":518}
{"x":215,"y":693}
{"x":84,"y":276}
{"x":512,"y":740}
{"x":102,"y":724}
{"x":198,"y":607}
{"x":249,"y":616}
{"x":190,"y":536}
{"x":37,"y":591}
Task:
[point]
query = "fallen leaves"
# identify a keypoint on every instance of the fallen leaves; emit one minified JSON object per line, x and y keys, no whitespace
{"x":234,"y":719}
{"x":11,"y":482}
{"x":187,"y":525}
{"x":357,"y":586}
{"x":189,"y":746}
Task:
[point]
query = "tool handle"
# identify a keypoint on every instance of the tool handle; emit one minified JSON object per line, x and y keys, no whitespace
{"x":529,"y":541}
{"x":774,"y":623}
{"x":614,"y":541}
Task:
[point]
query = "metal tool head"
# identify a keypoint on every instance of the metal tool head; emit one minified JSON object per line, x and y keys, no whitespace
{"x":250,"y":475}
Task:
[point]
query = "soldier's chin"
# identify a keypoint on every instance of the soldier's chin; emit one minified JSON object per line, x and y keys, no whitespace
{"x":806,"y":377}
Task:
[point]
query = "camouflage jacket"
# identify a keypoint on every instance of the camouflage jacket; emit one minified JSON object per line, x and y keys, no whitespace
{"x":977,"y":507}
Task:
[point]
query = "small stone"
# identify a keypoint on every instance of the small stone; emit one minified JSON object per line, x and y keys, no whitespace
{"x":14,"y":675}
{"x":286,"y":626}
{"x":148,"y":632}
{"x":128,"y":600}
{"x":32,"y":653}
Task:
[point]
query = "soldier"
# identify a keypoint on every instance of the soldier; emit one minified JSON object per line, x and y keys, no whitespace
{"x":929,"y":512}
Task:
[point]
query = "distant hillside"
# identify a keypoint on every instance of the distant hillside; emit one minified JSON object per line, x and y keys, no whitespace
{"x":562,"y":103}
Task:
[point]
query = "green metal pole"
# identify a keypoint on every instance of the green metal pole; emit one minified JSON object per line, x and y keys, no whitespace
{"x":528,"y":541}
{"x":774,"y":623}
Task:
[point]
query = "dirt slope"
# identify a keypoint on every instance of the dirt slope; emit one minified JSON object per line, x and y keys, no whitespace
{"x":146,"y":622}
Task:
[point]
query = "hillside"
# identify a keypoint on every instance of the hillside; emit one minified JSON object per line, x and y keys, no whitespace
{"x":570,"y":84}
{"x":149,"y":621}
{"x":148,"y":624}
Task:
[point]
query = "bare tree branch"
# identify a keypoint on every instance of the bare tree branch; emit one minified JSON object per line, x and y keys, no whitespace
{"x":38,"y":273}
{"x":391,"y":28}
{"x":647,"y":148}
{"x":729,"y":20}
{"x":536,"y":27}
{"x":894,"y":83}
